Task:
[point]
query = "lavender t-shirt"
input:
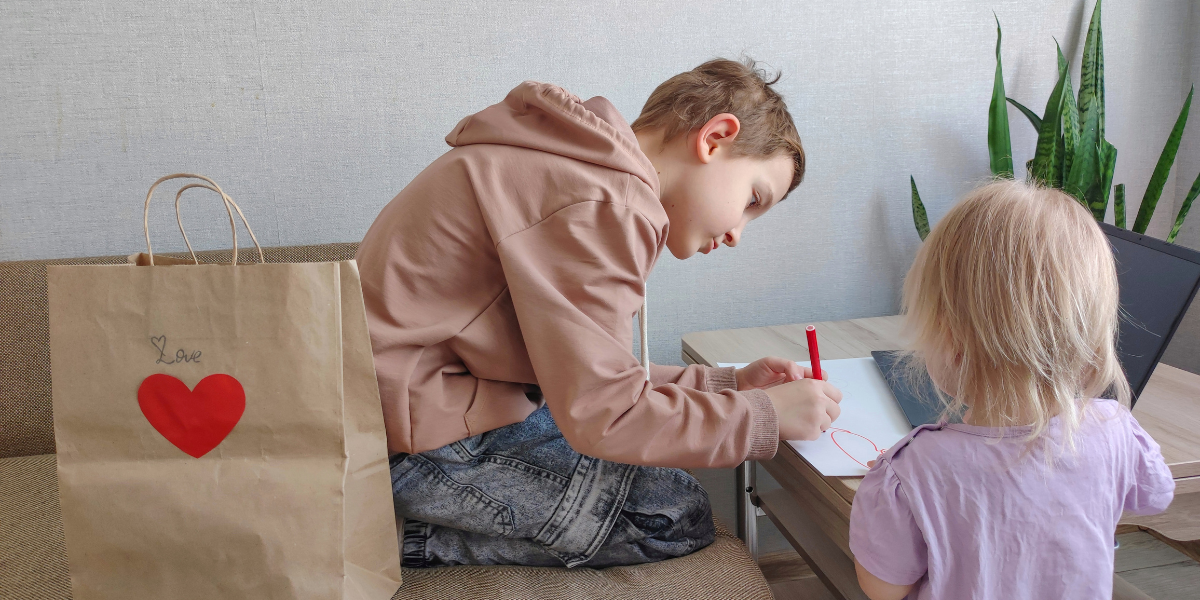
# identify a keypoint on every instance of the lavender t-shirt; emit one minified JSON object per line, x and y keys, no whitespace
{"x":963,"y":513}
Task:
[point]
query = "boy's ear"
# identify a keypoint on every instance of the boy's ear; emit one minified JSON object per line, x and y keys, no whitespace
{"x":716,"y":135}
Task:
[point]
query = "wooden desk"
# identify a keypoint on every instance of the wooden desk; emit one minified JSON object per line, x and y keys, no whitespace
{"x":813,"y":511}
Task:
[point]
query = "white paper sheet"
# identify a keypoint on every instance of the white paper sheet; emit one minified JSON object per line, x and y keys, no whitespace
{"x":871,"y":419}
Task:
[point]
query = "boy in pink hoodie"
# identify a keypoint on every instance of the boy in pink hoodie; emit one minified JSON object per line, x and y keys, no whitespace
{"x":501,"y":286}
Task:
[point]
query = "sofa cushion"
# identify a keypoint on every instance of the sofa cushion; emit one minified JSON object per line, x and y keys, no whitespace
{"x":721,"y":570}
{"x":33,"y":556}
{"x":34,"y":563}
{"x":26,"y":425}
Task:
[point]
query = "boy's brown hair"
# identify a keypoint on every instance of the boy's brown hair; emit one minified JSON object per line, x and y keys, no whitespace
{"x":688,"y":100}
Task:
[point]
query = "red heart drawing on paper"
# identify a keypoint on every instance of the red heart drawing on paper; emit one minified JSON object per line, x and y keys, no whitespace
{"x":196,"y":421}
{"x":855,"y":446}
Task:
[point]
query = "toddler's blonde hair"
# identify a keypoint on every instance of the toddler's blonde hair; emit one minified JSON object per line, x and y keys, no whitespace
{"x":1016,"y":287}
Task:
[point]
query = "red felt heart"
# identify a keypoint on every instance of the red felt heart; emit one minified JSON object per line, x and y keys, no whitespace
{"x":194,"y":420}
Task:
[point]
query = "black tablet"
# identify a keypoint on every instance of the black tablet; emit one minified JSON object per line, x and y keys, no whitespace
{"x":914,"y":392}
{"x":1158,"y":281}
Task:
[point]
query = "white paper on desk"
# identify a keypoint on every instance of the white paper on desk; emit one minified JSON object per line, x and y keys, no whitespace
{"x":870,"y":418}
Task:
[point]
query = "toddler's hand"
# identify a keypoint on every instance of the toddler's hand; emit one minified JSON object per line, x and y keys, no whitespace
{"x":871,"y":463}
{"x":770,"y":372}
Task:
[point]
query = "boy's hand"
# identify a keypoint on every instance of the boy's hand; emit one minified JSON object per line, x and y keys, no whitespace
{"x":805,"y":408}
{"x":770,"y":372}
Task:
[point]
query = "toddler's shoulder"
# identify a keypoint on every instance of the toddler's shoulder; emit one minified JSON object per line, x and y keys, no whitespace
{"x":1110,"y":417}
{"x":1106,"y":408}
{"x":920,"y":440}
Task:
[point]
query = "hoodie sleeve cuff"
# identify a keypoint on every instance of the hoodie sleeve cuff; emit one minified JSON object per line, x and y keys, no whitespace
{"x":719,"y":379}
{"x":764,"y":431}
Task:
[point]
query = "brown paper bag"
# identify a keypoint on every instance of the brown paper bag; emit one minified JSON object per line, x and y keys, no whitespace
{"x":219,"y":430}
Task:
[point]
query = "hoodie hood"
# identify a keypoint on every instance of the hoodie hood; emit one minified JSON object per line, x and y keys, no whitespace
{"x":547,"y":118}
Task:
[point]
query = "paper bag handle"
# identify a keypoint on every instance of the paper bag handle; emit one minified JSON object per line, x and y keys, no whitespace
{"x":232,"y":228}
{"x":224,"y":197}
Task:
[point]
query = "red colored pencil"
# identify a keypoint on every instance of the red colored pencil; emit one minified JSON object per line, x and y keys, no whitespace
{"x":813,"y":355}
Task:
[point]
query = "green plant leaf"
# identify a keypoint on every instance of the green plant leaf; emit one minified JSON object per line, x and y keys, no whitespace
{"x":1035,"y":120}
{"x":1086,"y":175}
{"x":1068,"y":136}
{"x":1183,"y":209}
{"x":920,"y":219}
{"x":1047,"y":164}
{"x":1162,"y":169}
{"x":1091,"y":73}
{"x":1119,"y":205}
{"x":999,"y":141}
{"x":1108,"y":163}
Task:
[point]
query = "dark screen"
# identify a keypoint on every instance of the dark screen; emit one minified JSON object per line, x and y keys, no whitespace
{"x":1156,"y":288}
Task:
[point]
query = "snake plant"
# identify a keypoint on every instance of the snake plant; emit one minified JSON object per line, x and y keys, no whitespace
{"x":1071,"y":153}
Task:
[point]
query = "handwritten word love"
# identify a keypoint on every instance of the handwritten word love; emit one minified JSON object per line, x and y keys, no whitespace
{"x":181,"y":356}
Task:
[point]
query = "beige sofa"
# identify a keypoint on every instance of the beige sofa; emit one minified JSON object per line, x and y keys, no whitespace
{"x":33,"y":563}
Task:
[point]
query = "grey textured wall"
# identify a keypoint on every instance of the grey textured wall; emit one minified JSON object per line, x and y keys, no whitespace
{"x":314,"y":114}
{"x":1188,"y":160}
{"x":1184,"y":351}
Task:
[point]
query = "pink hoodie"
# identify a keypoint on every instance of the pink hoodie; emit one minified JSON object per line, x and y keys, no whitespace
{"x":518,"y":259}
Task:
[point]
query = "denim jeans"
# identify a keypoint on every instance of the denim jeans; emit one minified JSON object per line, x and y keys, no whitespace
{"x":519,"y":495}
